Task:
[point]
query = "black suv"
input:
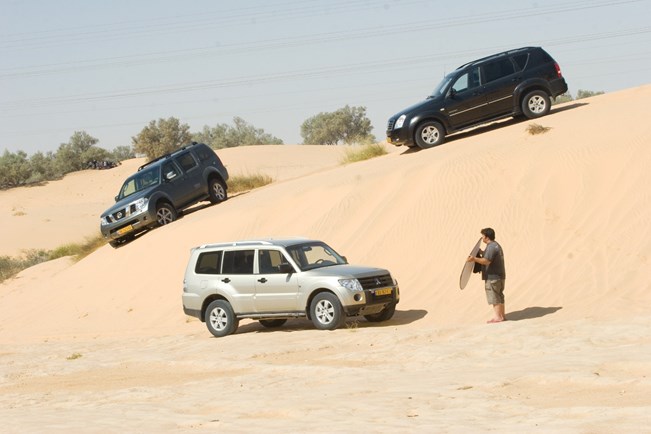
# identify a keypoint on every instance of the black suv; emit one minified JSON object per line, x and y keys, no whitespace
{"x":154,"y":195}
{"x":512,"y":83}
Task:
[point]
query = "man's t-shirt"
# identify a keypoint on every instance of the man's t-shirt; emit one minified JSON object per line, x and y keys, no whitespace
{"x":495,"y":270}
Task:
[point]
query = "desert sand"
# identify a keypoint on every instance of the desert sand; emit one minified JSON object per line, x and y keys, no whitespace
{"x":102,"y":345}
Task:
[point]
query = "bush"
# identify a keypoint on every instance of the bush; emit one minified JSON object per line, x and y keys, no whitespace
{"x":364,"y":152}
{"x":239,"y":183}
{"x":534,"y":129}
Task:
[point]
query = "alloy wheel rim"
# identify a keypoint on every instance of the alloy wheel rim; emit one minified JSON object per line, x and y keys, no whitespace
{"x":164,"y":216}
{"x":430,"y":135}
{"x":537,"y":104}
{"x":218,"y":319}
{"x":325,"y":312}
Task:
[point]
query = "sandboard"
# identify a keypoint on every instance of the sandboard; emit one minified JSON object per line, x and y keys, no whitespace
{"x":466,"y":272}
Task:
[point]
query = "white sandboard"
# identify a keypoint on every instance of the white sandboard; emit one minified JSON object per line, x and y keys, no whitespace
{"x":466,"y":272}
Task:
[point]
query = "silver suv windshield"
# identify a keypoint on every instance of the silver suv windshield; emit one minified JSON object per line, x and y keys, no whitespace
{"x":313,"y":255}
{"x":139,"y":182}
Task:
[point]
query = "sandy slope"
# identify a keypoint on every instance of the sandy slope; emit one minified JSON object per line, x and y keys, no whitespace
{"x":570,"y":207}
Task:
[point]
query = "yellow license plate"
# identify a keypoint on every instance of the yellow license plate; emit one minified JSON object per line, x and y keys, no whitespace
{"x":125,"y":229}
{"x":384,"y":291}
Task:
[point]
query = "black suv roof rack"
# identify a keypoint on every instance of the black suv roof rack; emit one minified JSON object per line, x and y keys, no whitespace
{"x":493,"y":56}
{"x":168,"y":155}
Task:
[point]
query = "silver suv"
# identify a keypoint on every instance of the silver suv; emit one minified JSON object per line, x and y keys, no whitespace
{"x":276,"y":279}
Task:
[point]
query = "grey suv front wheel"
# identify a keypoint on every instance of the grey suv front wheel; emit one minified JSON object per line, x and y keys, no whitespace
{"x":326,"y":311}
{"x":220,"y":319}
{"x":165,"y":214}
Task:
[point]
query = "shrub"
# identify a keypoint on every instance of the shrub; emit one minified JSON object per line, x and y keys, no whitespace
{"x":534,"y":129}
{"x":363,"y":152}
{"x":239,"y":183}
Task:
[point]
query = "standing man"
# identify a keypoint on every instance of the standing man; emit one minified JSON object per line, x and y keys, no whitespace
{"x":493,"y":273}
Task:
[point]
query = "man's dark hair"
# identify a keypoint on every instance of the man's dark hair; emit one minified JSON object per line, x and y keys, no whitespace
{"x":488,"y":232}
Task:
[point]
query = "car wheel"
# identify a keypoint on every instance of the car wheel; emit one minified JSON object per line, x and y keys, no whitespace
{"x":536,"y":104}
{"x":273,"y":323}
{"x":384,"y":315}
{"x":429,"y":134}
{"x":326,"y":311}
{"x":217,"y":190}
{"x":165,"y":214}
{"x":220,"y":319}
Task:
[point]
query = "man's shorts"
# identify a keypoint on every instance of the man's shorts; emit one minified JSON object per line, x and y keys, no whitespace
{"x":495,"y":291}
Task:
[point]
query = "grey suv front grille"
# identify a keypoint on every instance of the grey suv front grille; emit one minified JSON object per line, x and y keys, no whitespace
{"x":376,"y":281}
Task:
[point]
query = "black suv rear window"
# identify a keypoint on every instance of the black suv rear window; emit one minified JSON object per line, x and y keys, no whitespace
{"x":521,"y":60}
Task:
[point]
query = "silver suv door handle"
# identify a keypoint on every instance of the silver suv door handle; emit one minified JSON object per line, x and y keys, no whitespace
{"x":263,"y":280}
{"x":226,"y":280}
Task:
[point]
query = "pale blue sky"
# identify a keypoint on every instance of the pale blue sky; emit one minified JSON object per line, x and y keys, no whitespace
{"x":110,"y":67}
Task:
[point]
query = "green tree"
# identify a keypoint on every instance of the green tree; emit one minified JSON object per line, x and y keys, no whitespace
{"x":240,"y":134}
{"x":347,"y":125}
{"x":43,"y":167}
{"x":122,"y":153}
{"x":161,"y":137}
{"x":587,"y":93}
{"x":15,"y":169}
{"x":75,"y":155}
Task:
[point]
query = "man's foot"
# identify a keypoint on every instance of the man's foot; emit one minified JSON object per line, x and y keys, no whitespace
{"x":494,"y":320}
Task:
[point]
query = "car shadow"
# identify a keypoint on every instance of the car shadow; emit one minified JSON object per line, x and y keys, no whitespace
{"x":531,"y":313}
{"x":401,"y":317}
{"x":495,"y":126}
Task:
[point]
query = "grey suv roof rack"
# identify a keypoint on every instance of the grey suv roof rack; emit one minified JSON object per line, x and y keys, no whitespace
{"x":165,"y":156}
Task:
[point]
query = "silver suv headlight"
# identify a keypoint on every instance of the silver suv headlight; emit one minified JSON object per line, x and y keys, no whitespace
{"x":399,"y":122}
{"x":351,"y":284}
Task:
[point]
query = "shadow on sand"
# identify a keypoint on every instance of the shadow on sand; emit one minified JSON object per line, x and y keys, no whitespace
{"x":401,"y":317}
{"x":531,"y":312}
{"x":495,"y":125}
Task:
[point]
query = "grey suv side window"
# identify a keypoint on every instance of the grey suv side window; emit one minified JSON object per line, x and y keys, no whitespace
{"x":238,"y":262}
{"x":209,"y":263}
{"x":170,"y":171}
{"x":498,"y":69}
{"x":186,"y":161}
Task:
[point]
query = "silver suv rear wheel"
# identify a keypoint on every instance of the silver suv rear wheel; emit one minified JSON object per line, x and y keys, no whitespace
{"x":220,"y":319}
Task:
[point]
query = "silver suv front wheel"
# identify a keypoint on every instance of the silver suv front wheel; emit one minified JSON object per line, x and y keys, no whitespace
{"x":326,"y":311}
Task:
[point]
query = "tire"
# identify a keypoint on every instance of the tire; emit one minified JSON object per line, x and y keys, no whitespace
{"x":429,"y":134}
{"x":165,"y":214}
{"x":385,"y":315}
{"x":217,"y":190}
{"x":273,"y":323}
{"x":326,"y":311}
{"x":115,"y":243}
{"x":536,"y":104}
{"x":220,"y":319}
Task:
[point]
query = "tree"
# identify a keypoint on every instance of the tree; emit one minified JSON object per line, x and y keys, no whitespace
{"x":347,"y":125}
{"x":241,"y":134}
{"x":43,"y":167}
{"x":15,"y":169}
{"x":74,"y":155}
{"x":161,"y":137}
{"x":587,"y":93}
{"x":122,"y":153}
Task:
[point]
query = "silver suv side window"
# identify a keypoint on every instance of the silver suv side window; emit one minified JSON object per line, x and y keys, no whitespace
{"x":238,"y":262}
{"x":269,"y":261}
{"x":209,"y":263}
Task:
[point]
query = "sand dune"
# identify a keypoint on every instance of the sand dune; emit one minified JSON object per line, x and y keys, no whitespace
{"x":570,"y":207}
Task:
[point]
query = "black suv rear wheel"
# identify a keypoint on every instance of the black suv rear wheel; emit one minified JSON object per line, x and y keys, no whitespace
{"x":536,"y":104}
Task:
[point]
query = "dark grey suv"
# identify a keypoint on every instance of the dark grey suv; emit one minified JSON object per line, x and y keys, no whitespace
{"x":154,"y":195}
{"x":512,"y":83}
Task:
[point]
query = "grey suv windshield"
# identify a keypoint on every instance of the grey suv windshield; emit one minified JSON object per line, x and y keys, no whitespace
{"x":314,"y":255}
{"x":139,"y":182}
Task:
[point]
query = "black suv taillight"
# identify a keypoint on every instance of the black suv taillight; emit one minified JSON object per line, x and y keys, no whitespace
{"x":558,"y":70}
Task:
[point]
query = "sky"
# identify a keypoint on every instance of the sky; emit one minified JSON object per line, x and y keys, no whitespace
{"x":110,"y":67}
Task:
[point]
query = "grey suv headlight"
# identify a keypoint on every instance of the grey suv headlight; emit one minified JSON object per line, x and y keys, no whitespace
{"x":399,"y":122}
{"x":351,"y":284}
{"x":103,"y":221}
{"x":141,"y":204}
